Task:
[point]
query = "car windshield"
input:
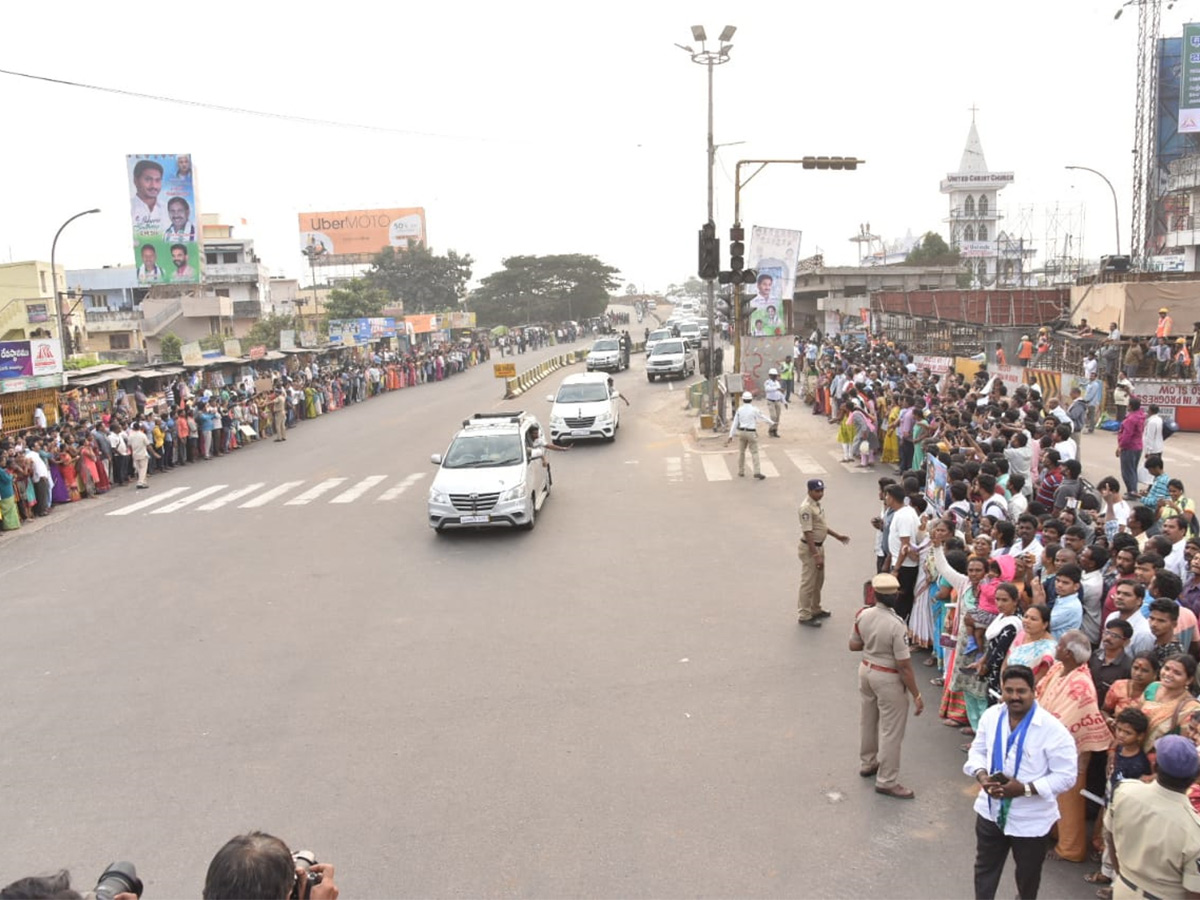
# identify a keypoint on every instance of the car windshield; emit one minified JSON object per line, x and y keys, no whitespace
{"x":582,"y":393}
{"x":481,"y":451}
{"x":606,"y":345}
{"x":666,"y":347}
{"x":689,"y":326}
{"x":659,"y":335}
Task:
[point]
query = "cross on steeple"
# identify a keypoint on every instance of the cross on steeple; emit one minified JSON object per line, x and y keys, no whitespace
{"x":974,"y":109}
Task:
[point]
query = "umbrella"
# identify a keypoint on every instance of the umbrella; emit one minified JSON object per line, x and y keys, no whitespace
{"x":500,"y":329}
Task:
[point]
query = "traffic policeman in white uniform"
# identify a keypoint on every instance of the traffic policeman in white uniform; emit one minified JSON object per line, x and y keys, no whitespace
{"x":745,"y":425}
{"x":775,"y":400}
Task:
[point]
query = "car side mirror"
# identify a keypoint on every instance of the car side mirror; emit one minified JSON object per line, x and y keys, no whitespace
{"x":436,"y":459}
{"x":549,"y":398}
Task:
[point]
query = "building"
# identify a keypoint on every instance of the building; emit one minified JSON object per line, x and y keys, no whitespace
{"x":27,"y":300}
{"x":232,"y":270}
{"x":107,"y":312}
{"x":974,"y":218}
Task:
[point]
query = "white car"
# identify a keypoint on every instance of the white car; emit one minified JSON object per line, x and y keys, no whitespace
{"x":659,"y":334}
{"x":490,"y":476}
{"x":585,"y":408}
{"x":671,"y":357}
{"x":606,"y":355}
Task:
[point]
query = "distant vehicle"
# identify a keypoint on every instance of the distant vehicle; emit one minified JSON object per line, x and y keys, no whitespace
{"x":659,"y":334}
{"x":690,"y":332}
{"x":672,"y":357}
{"x":489,"y":476}
{"x":585,"y":408}
{"x":606,"y":355}
{"x":650,"y":304}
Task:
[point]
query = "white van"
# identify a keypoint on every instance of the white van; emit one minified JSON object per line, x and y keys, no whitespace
{"x":585,"y":408}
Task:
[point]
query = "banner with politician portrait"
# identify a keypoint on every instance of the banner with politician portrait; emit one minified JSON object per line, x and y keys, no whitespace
{"x":773,"y":254}
{"x":166,"y":230}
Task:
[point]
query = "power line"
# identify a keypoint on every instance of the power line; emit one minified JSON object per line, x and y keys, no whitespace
{"x":240,"y":110}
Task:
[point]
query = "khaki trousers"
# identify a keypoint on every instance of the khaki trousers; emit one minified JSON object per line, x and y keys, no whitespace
{"x":812,"y":579}
{"x":882,"y":720}
{"x":747,"y":439}
{"x":280,"y":425}
{"x":775,"y":411}
{"x":140,"y":465}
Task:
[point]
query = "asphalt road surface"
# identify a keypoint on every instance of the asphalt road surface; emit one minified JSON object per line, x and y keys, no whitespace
{"x":619,"y":704}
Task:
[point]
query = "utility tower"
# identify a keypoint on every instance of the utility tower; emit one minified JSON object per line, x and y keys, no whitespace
{"x":1145,"y":186}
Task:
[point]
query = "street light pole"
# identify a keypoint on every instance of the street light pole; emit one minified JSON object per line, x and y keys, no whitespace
{"x":710,"y":58}
{"x":1116,"y":207}
{"x":63,"y":337}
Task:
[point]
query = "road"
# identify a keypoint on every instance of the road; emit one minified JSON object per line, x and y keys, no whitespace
{"x":617,"y":704}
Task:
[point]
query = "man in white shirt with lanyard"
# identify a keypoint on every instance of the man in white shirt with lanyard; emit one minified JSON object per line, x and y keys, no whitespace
{"x":1023,"y":758}
{"x":745,"y":425}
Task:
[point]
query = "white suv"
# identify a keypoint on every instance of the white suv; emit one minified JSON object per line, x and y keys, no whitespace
{"x":490,"y":476}
{"x":671,"y":357}
{"x":585,"y":408}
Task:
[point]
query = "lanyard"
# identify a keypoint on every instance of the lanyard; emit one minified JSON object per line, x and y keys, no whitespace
{"x":998,"y":759}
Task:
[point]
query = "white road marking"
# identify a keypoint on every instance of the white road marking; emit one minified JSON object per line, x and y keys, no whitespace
{"x":393,"y":493}
{"x":766,"y":466}
{"x":315,"y":491}
{"x":149,"y":501}
{"x":805,"y":463}
{"x":264,"y":499}
{"x":674,"y":469}
{"x":715,"y":468}
{"x":189,"y":500}
{"x":359,"y":489}
{"x":230,"y":497}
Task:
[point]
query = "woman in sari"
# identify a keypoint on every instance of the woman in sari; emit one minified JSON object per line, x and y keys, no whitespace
{"x":920,"y":620}
{"x":1034,"y":647}
{"x":845,"y":434}
{"x":1069,"y":694}
{"x":1000,"y":634}
{"x":866,"y":440}
{"x":1168,"y":702}
{"x":310,"y":402}
{"x":1127,"y":692}
{"x":65,"y":460}
{"x":891,"y":440}
{"x":940,"y":591}
{"x":10,"y":519}
{"x":920,"y":431}
{"x":961,"y":678}
{"x":58,"y":487}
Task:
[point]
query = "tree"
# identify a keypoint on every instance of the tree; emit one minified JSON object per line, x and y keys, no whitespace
{"x":420,"y":279}
{"x":359,"y":299}
{"x":266,"y":331}
{"x":693,"y":288}
{"x":544,"y":289}
{"x":933,"y":251}
{"x":171,"y":345}
{"x":630,"y":289}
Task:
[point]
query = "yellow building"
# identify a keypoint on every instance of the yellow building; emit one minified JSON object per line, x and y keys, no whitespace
{"x":27,"y":300}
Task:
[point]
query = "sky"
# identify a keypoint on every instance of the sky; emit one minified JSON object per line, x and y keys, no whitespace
{"x":550,"y":127}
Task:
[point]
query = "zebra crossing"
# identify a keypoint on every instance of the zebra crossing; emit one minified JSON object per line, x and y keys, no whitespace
{"x":259,"y":494}
{"x":775,"y":462}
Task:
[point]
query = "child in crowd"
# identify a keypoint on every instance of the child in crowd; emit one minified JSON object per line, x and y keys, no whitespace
{"x":1126,"y":760}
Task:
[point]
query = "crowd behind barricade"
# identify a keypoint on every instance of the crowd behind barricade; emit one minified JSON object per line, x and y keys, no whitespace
{"x":1011,"y":550}
{"x":94,"y":448}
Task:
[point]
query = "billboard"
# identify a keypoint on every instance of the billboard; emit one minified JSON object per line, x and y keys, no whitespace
{"x":361,"y":331}
{"x":773,"y":254}
{"x":361,"y":232}
{"x":20,"y":359}
{"x":1189,"y":89}
{"x":166,"y":238}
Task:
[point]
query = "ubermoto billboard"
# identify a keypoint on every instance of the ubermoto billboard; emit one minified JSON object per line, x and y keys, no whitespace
{"x":166,"y":236}
{"x":361,"y":232}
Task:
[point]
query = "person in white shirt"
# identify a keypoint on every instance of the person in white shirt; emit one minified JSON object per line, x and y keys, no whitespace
{"x":1116,"y":509}
{"x":1027,"y":538}
{"x":1127,"y":598}
{"x":43,"y":482}
{"x":903,"y":538}
{"x":1023,"y":758}
{"x":148,"y":214}
{"x":39,"y":416}
{"x":1176,"y":530}
{"x":1019,"y":454}
{"x":1018,"y":503}
{"x":139,"y":449}
{"x":1152,"y":433}
{"x":744,"y":423}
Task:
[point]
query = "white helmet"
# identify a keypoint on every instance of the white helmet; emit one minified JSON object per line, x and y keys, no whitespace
{"x":772,"y":371}
{"x":747,"y":397}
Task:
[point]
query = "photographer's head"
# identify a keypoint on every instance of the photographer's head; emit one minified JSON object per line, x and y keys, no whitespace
{"x":259,"y":866}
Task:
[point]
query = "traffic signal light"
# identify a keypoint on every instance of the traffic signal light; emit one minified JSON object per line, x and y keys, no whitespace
{"x":710,"y":252}
{"x":830,"y":162}
{"x":749,"y":276}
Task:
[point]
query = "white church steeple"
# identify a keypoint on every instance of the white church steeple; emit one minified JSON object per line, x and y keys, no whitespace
{"x":974,"y":214}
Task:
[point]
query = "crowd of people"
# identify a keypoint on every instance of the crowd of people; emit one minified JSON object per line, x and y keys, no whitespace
{"x":95,"y":447}
{"x":1006,"y":559}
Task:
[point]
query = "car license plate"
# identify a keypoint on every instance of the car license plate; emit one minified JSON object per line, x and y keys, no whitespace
{"x":474,"y":520}
{"x":580,"y":431}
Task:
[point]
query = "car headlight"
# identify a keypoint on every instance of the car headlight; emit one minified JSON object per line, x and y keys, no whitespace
{"x":436,"y":496}
{"x":603,"y":418}
{"x":556,"y":421}
{"x":513,"y":493}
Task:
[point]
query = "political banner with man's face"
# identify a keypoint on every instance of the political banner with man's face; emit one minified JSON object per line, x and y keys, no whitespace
{"x":166,"y":229}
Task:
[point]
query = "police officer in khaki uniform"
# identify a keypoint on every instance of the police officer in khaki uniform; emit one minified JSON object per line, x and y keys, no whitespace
{"x":885,"y":679}
{"x":813,"y":531}
{"x":1155,"y":831}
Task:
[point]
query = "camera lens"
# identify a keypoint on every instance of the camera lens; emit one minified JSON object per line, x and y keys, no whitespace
{"x":118,"y":878}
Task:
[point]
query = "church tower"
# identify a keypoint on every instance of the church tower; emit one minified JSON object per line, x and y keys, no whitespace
{"x":974,"y":212}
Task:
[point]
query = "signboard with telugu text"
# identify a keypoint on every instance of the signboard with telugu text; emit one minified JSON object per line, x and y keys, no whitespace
{"x":1189,"y":80}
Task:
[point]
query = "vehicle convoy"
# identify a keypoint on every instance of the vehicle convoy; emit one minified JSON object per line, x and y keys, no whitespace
{"x":606,"y":355}
{"x":585,"y":408}
{"x":489,"y":476}
{"x":658,"y":334}
{"x":690,"y":332}
{"x":671,"y":357}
